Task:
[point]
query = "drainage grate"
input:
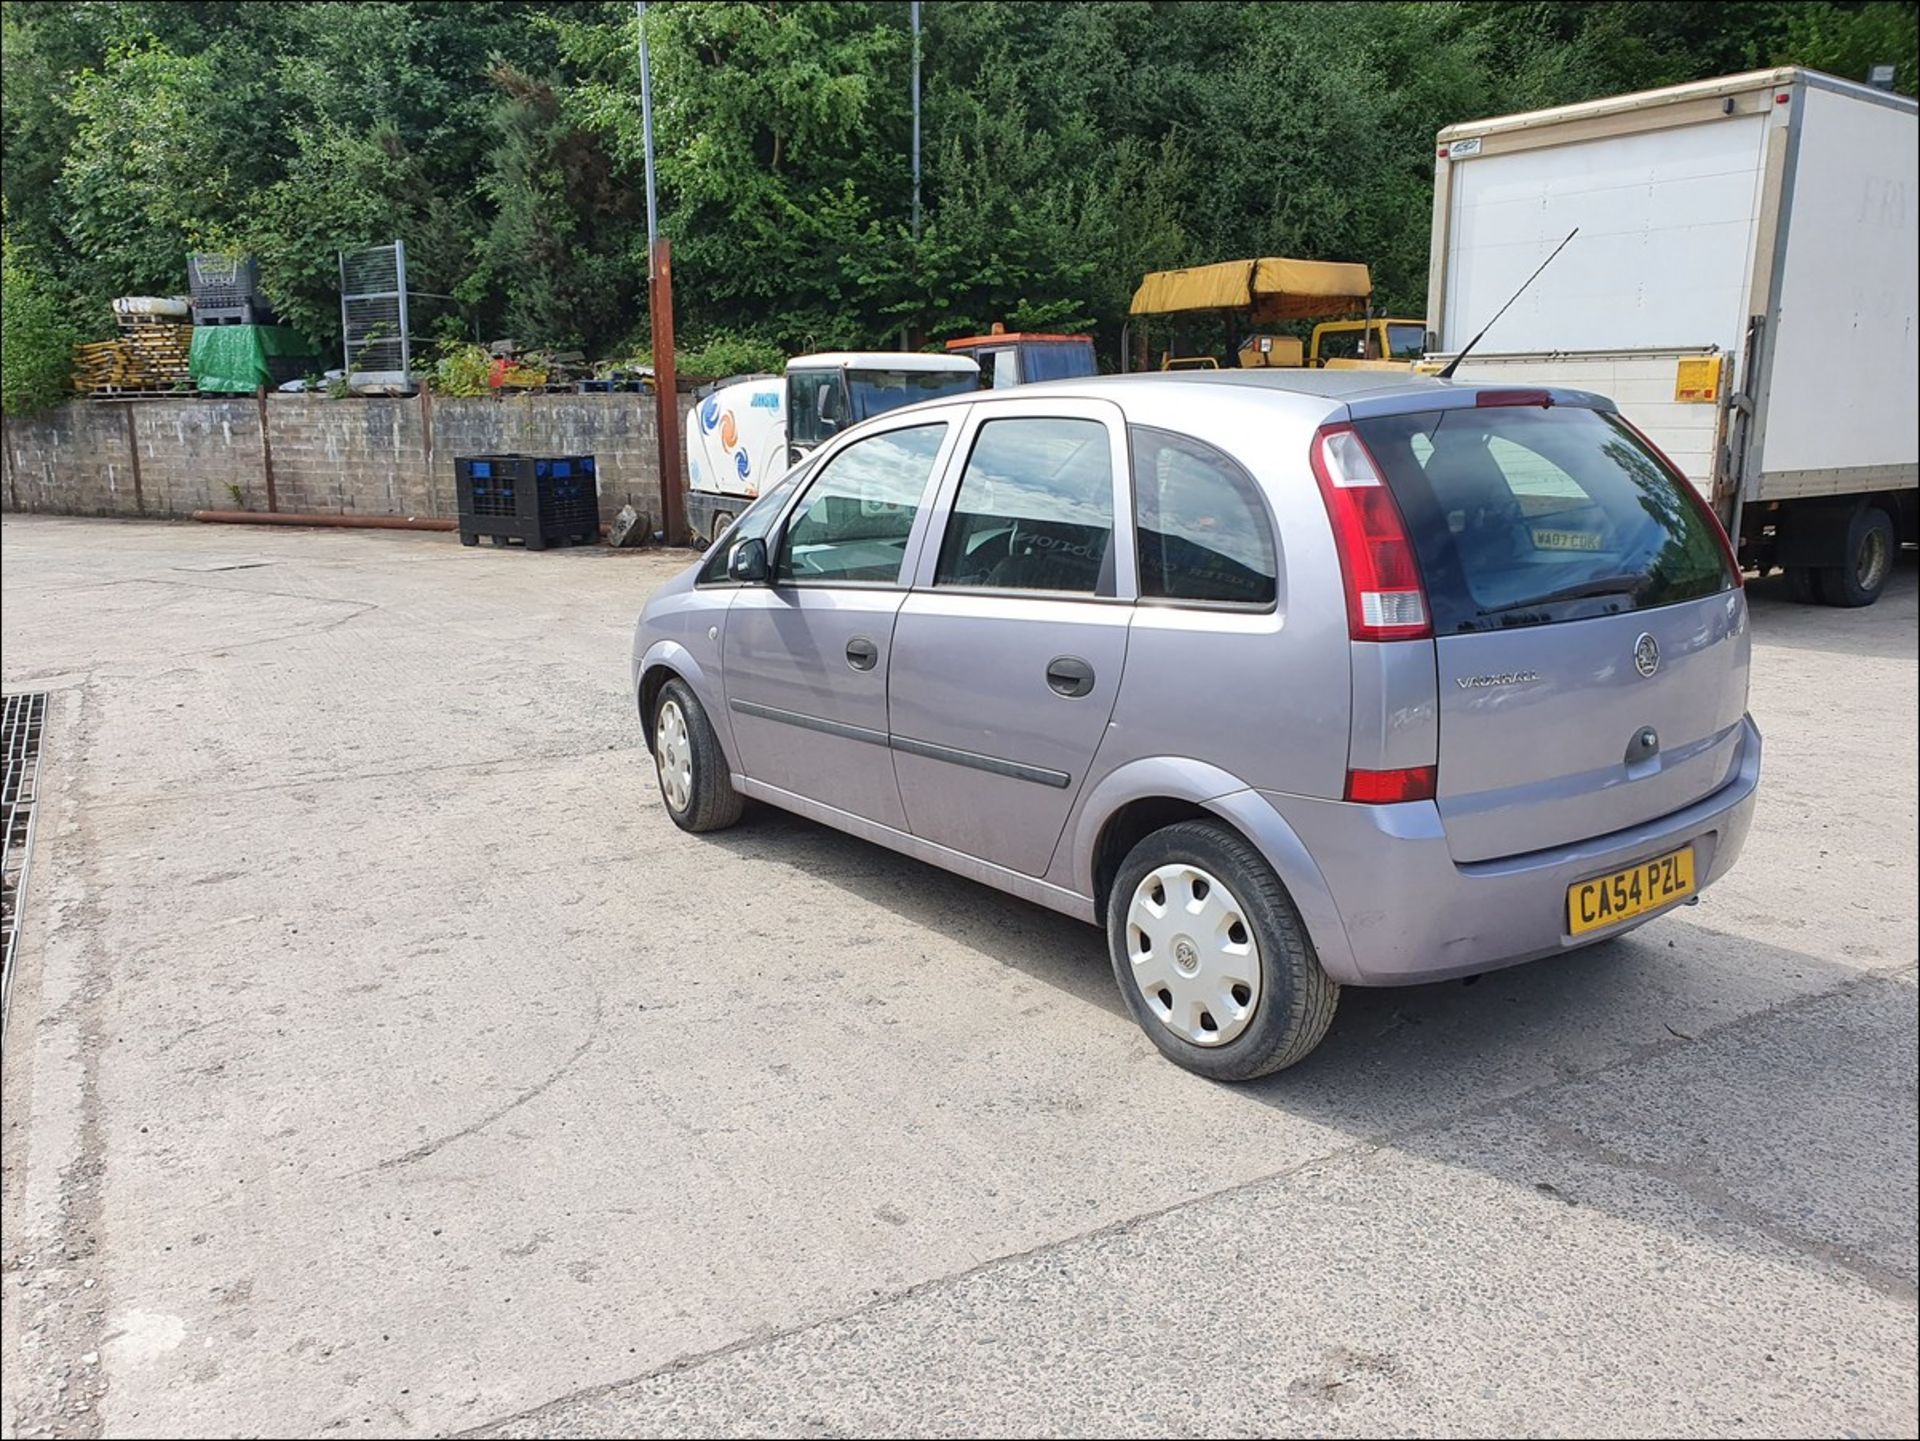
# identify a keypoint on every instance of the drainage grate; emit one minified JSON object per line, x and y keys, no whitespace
{"x":20,"y":740}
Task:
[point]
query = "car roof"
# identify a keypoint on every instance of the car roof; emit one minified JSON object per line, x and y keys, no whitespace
{"x":1337,"y":386}
{"x":1359,"y":393}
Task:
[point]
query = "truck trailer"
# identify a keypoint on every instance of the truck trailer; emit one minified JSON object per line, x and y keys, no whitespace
{"x":1742,"y":283}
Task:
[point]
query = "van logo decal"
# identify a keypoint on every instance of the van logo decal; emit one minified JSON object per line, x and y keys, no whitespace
{"x":1487,"y":682}
{"x":1646,"y":654}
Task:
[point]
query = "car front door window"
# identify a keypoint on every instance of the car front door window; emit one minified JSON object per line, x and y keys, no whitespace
{"x":852,"y":525}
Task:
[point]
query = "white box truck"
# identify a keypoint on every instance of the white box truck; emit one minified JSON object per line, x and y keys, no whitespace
{"x":1743,"y":284}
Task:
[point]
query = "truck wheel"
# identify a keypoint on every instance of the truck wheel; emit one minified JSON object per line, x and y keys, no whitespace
{"x":1803,"y":584}
{"x":1871,"y":546}
{"x":1212,"y":959}
{"x":721,"y":520}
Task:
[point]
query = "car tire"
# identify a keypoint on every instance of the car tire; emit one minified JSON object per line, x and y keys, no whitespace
{"x":1871,"y":547}
{"x":689,"y":764}
{"x":1289,"y":1000}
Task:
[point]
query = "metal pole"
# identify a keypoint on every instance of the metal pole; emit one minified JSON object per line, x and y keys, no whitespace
{"x":400,"y":285}
{"x":914,"y":8}
{"x":660,"y":314}
{"x":346,"y":336}
{"x":646,"y":130}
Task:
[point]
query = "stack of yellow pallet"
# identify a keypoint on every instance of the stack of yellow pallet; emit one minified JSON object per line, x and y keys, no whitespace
{"x":148,"y":356}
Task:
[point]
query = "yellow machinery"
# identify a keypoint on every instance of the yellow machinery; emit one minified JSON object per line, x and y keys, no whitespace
{"x":1377,"y":343}
{"x":1247,"y":295}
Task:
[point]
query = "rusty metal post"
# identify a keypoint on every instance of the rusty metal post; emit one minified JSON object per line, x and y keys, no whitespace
{"x":133,"y":454}
{"x":666,"y":394}
{"x":673,"y":527}
{"x":266,"y":448}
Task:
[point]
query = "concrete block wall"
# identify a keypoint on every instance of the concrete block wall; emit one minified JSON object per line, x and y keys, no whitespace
{"x":365,"y":456}
{"x":194,"y":454}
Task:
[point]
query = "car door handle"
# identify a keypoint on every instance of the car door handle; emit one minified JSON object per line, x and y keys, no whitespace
{"x":862,"y":654}
{"x":1069,"y":676}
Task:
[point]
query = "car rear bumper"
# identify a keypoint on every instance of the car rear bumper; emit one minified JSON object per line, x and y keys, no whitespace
{"x":1411,"y":913}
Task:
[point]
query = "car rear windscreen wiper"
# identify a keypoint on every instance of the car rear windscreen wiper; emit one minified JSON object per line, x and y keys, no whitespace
{"x":1628,"y":585}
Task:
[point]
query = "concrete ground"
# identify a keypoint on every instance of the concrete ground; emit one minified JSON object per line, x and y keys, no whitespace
{"x":385,"y":1063}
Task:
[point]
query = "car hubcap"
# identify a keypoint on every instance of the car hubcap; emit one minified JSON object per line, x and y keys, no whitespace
{"x":1872,"y":565}
{"x":1193,"y":954}
{"x":673,"y":750}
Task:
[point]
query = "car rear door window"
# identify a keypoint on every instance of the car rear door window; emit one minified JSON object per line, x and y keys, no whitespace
{"x":1525,"y":515}
{"x":852,"y":524}
{"x":1203,"y":530}
{"x":1034,"y":509}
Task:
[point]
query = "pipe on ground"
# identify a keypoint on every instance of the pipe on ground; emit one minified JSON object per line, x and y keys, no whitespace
{"x":350,"y":522}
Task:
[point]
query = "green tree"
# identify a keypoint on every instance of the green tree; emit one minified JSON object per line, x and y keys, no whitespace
{"x":36,"y":338}
{"x":147,"y":177}
{"x":556,"y":263}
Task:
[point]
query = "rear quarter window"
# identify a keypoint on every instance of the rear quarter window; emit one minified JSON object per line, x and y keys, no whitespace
{"x":1531,"y":515}
{"x":1202,"y":532}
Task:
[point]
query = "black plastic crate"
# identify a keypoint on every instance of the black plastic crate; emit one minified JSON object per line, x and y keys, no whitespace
{"x":252,"y":311}
{"x":208,"y":274}
{"x":537,"y":499}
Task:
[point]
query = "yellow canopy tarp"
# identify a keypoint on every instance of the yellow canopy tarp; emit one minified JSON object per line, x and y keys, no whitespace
{"x":1271,"y":288}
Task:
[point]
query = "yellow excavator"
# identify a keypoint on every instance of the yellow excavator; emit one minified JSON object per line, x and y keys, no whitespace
{"x":1250,"y":299}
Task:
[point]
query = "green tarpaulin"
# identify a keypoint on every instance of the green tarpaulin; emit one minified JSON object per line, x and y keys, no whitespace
{"x":244,"y":357}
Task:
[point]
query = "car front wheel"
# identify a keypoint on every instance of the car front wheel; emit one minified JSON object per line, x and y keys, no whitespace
{"x":1211,"y":957}
{"x":690,"y":765}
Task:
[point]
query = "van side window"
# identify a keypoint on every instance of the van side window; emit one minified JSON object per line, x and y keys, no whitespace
{"x":854,"y":520}
{"x":1035,"y":509}
{"x":1203,"y":530}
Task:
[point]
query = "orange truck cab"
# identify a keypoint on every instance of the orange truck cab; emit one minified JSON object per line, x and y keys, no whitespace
{"x":1022,"y":357}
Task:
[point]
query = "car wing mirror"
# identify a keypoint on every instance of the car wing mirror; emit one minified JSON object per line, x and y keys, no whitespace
{"x":749,"y":561}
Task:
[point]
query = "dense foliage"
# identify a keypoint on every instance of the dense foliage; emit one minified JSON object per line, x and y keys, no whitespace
{"x":36,"y":339}
{"x":1068,"y":147}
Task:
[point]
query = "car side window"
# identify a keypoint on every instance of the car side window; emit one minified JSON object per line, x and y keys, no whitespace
{"x":853,"y":522}
{"x":1034,"y":509}
{"x":754,"y":522}
{"x":1203,"y":530}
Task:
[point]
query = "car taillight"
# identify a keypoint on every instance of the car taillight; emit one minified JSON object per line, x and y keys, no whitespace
{"x":1679,"y":478}
{"x":1384,"y":597}
{"x":1382,"y":788}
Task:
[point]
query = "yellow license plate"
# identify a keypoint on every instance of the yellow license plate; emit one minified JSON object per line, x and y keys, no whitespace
{"x":1605,"y":900}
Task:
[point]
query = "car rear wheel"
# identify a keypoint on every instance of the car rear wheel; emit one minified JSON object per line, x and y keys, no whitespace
{"x":1211,"y":957}
{"x":690,"y":765}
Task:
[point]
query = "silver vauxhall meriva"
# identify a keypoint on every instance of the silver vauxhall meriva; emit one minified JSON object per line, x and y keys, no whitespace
{"x":1292,"y":680}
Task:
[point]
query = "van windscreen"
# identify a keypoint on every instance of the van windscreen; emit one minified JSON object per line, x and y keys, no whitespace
{"x":1525,"y":515}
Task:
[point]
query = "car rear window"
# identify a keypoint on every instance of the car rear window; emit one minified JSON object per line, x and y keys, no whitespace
{"x":1525,"y":515}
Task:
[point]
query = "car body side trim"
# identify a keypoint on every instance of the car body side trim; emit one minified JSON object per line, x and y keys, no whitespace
{"x":807,"y":722}
{"x":1018,"y":770}
{"x":1040,"y":775}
